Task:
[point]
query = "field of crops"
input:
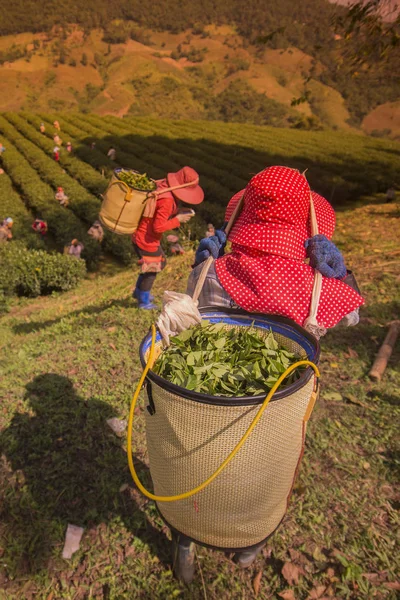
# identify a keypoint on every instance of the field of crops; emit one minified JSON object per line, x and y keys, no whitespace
{"x":343,"y":167}
{"x":69,"y":362}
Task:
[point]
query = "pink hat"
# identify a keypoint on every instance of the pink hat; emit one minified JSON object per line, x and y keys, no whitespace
{"x":192,"y":194}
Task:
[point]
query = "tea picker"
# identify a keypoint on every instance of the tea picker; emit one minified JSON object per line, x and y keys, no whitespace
{"x":143,"y":208}
{"x":216,"y":461}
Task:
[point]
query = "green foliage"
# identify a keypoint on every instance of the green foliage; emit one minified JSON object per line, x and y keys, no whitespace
{"x":116,"y":33}
{"x":35,"y":272}
{"x":13,"y":53}
{"x":137,"y":181}
{"x":212,"y":359}
{"x":12,"y":205}
{"x":239,"y":102}
{"x":192,"y":54}
{"x":50,"y":78}
{"x":140,"y":36}
{"x":63,"y":224}
{"x":83,"y":203}
{"x":237,"y":64}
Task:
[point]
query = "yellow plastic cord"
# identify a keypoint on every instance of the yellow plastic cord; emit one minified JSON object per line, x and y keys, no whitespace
{"x":231,"y":455}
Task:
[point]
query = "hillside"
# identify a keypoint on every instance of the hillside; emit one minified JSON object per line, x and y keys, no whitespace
{"x":70,"y":362}
{"x":221,"y":71}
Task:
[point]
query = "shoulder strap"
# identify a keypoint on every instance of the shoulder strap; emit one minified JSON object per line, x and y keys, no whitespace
{"x":311,"y":322}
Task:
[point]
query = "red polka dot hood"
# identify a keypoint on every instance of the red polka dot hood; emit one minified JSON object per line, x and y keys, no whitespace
{"x":265,"y":271}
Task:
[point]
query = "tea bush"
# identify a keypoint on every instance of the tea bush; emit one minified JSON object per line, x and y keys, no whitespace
{"x":36,"y":272}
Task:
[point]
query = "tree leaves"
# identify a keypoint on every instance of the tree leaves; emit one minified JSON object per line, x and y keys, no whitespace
{"x":291,"y":573}
{"x":212,"y":359}
{"x":257,"y":583}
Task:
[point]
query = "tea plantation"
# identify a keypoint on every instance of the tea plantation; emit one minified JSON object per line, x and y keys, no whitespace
{"x":342,"y":167}
{"x":69,"y":362}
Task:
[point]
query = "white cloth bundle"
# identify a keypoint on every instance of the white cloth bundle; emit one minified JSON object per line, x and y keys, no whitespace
{"x":179,"y":312}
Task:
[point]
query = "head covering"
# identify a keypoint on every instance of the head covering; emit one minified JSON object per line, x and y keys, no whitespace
{"x":265,"y":271}
{"x":192,"y":194}
{"x":9,"y":221}
{"x":59,"y":189}
{"x":172,"y":239}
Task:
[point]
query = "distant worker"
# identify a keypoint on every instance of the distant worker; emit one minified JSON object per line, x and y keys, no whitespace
{"x":56,"y":153}
{"x":2,"y":148}
{"x":61,"y":197}
{"x":391,"y":194}
{"x":112,"y":153}
{"x":210,"y":230}
{"x":75,"y":248}
{"x":42,"y":128}
{"x":57,"y":139}
{"x":174,"y":245}
{"x":69,"y":147}
{"x":93,"y":145}
{"x":96,"y":231}
{"x":176,"y":191}
{"x":5,"y":230}
{"x":39,"y":226}
{"x":57,"y":125}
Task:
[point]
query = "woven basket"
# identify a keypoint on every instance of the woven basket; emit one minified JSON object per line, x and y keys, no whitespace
{"x":189,"y":434}
{"x":122,"y":206}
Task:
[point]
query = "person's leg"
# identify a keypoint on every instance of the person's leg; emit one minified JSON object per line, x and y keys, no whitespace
{"x":146,"y":280}
{"x":246,"y":558}
{"x":183,"y":557}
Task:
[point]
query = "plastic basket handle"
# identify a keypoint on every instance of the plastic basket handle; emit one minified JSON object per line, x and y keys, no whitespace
{"x":129,"y":191}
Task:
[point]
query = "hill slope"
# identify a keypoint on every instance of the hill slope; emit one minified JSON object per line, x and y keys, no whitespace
{"x":208,"y":71}
{"x":69,"y":363}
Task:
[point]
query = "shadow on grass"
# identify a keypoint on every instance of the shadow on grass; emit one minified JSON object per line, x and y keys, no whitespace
{"x":93,"y":309}
{"x":63,"y":464}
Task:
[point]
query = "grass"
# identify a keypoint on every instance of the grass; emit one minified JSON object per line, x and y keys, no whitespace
{"x":70,"y":362}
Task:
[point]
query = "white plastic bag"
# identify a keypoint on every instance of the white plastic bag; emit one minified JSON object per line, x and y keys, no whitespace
{"x":73,"y":537}
{"x":179,"y":312}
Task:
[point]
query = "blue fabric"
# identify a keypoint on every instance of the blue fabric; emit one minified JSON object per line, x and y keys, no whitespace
{"x":213,"y":246}
{"x":325,"y":257}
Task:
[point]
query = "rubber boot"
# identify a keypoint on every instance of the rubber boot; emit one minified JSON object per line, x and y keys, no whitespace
{"x":245,"y":559}
{"x":144,"y":300}
{"x":135,"y":293}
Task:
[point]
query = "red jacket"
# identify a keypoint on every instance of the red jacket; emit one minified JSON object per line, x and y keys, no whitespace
{"x":149,"y":233}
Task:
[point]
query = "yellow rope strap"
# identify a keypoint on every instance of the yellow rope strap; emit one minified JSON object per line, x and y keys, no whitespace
{"x":228,"y":459}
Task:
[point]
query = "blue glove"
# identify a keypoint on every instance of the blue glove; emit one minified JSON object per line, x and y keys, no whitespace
{"x":325,"y":257}
{"x":213,"y":246}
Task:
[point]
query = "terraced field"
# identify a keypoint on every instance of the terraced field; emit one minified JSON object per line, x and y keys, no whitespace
{"x":343,"y":167}
{"x":69,"y":362}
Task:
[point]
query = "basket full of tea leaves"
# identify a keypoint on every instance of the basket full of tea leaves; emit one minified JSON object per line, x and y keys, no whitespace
{"x":215,"y":360}
{"x":135,"y":180}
